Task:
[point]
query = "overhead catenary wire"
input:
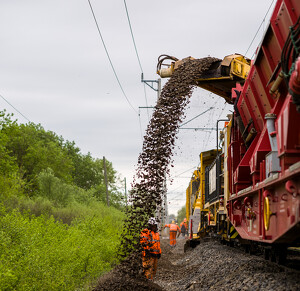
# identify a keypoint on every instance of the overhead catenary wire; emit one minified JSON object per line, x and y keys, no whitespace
{"x":209,"y":122}
{"x":110,"y":61}
{"x":176,"y":203}
{"x":132,"y":36}
{"x":210,"y":108}
{"x":137,"y":54}
{"x":259,"y":28}
{"x":14,"y":108}
{"x":177,"y":199}
{"x":173,"y":190}
{"x":184,"y":172}
{"x":199,"y":128}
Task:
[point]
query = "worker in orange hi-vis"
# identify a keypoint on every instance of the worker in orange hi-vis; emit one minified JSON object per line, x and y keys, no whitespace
{"x":151,"y":250}
{"x":183,"y":227}
{"x":174,"y":228}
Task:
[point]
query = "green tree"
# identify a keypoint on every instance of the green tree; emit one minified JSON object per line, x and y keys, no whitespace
{"x":42,"y":159}
{"x":8,"y":163}
{"x":10,"y":182}
{"x":34,"y":150}
{"x":89,"y":174}
{"x":54,"y":189}
{"x":181,"y":214}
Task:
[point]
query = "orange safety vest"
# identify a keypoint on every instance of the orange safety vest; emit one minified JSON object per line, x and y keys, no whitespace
{"x":173,"y":227}
{"x":150,"y":241}
{"x":183,"y":223}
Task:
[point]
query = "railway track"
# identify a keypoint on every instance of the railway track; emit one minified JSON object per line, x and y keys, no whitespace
{"x":289,"y":257}
{"x":213,"y":266}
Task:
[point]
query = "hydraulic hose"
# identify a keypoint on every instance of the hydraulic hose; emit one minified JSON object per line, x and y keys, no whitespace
{"x":161,"y":59}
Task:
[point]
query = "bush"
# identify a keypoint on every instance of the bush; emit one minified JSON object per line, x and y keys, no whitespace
{"x":55,"y":233}
{"x":39,"y":253}
{"x":54,"y":189}
{"x":10,"y":185}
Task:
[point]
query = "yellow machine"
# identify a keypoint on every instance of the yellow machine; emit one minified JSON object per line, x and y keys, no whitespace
{"x":219,"y":79}
{"x":207,"y":195}
{"x":195,"y":197}
{"x":192,"y":193}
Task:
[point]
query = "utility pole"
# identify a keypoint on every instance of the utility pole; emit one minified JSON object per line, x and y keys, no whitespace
{"x":105,"y":178}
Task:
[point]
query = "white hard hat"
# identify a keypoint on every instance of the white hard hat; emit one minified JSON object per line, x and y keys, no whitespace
{"x":152,"y":221}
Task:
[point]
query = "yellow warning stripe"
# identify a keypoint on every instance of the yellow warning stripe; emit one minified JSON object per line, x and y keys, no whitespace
{"x":233,"y":232}
{"x":234,"y":235}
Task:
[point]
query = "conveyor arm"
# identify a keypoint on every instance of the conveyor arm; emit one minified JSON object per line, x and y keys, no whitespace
{"x":219,"y":79}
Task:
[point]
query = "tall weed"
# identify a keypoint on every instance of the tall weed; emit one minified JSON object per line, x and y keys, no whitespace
{"x":39,"y":253}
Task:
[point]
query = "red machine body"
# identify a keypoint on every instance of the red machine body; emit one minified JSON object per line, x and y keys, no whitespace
{"x":264,"y":152}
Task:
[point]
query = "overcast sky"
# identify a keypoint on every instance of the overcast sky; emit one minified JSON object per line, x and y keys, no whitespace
{"x":55,"y":71}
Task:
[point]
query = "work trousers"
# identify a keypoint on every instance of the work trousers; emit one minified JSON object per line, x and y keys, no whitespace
{"x":173,"y":238}
{"x":149,"y":266}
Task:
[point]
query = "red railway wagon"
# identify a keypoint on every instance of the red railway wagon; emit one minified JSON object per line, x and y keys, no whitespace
{"x":264,"y":151}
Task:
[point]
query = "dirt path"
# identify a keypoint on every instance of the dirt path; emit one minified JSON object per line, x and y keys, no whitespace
{"x":171,"y":265}
{"x":212,"y":266}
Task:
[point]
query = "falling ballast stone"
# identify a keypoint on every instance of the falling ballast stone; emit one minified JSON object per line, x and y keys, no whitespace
{"x":148,"y":184}
{"x":156,"y":156}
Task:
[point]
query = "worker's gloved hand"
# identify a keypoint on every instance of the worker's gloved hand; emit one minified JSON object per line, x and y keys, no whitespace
{"x":158,"y":256}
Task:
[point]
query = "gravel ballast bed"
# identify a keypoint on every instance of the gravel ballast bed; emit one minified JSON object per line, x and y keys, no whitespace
{"x":213,"y":266}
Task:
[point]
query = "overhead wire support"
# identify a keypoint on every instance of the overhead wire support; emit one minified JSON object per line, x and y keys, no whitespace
{"x":148,"y":82}
{"x":108,"y":56}
{"x":144,"y":107}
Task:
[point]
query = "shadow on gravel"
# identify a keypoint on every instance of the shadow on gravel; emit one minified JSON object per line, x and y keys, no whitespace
{"x":126,"y":276}
{"x":119,"y":282}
